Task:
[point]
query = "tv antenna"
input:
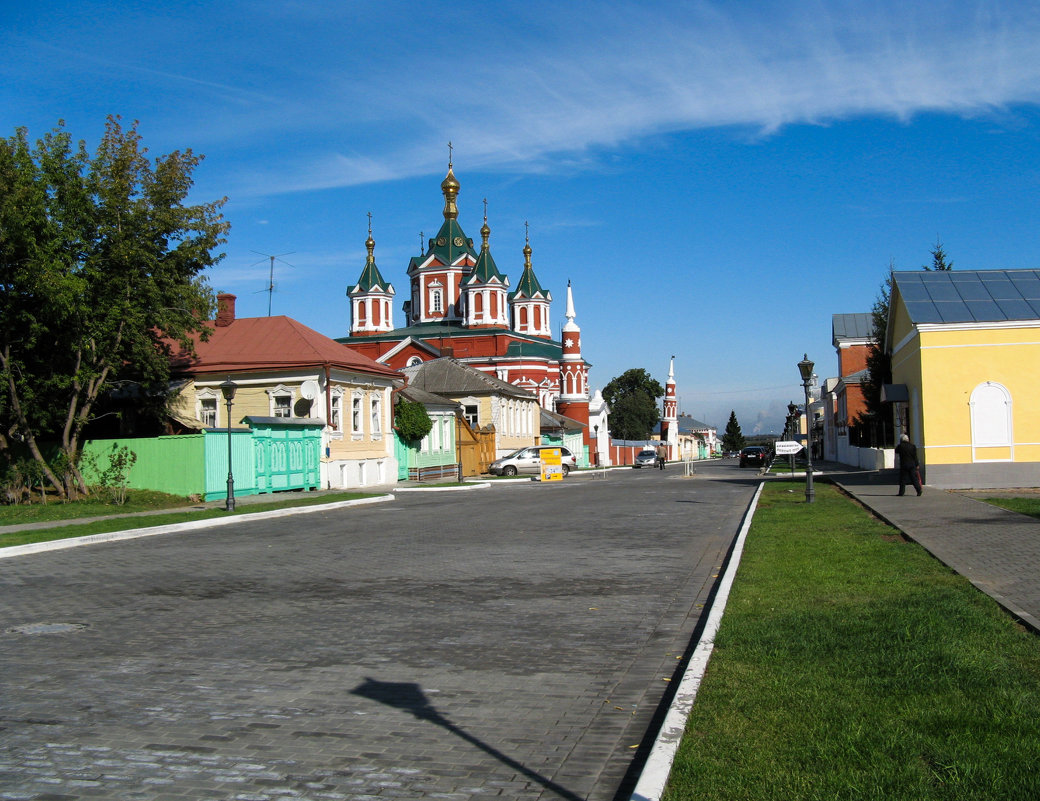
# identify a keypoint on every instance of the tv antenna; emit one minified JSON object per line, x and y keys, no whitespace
{"x":270,"y":279}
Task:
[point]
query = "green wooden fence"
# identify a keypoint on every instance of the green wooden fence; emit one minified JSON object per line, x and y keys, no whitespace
{"x":273,"y":454}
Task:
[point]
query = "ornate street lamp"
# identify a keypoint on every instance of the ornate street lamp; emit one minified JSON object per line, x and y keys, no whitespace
{"x":805,"y":367}
{"x":228,"y":389}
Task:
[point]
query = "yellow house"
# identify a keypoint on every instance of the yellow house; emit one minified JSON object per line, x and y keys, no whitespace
{"x":965,"y":350}
{"x":285,"y":370}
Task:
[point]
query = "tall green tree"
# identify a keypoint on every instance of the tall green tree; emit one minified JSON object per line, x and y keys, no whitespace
{"x":733,"y":437}
{"x":632,"y":397}
{"x":101,"y":269}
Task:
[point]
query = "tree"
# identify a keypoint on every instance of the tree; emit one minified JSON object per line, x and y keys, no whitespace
{"x":101,"y":268}
{"x":632,"y":397}
{"x":411,"y":420}
{"x":732,"y":437}
{"x":939,"y":258}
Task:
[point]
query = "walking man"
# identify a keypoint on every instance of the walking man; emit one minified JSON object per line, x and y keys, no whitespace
{"x":662,"y":455}
{"x":908,"y":465}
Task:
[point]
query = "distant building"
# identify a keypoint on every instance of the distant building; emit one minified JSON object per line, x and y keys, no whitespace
{"x":842,"y":397}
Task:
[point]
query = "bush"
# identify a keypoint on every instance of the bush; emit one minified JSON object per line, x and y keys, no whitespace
{"x":112,"y":481}
{"x":411,"y":421}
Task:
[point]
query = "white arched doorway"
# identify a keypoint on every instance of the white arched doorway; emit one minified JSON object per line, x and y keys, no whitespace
{"x":991,"y":423}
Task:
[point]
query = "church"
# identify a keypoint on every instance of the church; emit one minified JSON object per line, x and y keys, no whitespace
{"x":460,"y":304}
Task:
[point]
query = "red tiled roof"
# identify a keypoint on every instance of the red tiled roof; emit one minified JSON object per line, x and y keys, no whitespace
{"x":259,"y":343}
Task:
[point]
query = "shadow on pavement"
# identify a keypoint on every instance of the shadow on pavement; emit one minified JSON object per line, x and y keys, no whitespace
{"x":408,"y":696}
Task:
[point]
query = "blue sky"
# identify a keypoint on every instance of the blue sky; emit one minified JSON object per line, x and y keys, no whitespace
{"x":715,"y":178}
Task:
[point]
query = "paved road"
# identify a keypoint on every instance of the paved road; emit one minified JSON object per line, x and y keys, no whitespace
{"x":513,"y":642}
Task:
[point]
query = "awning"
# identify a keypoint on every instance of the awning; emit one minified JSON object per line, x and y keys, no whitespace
{"x":894,"y":393}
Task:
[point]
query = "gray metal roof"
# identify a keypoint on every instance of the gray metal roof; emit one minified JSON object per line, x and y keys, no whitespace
{"x":851,"y":326}
{"x":979,"y":296}
{"x":446,"y":376}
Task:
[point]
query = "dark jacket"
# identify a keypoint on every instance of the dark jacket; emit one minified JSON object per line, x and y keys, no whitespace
{"x":907,"y":453}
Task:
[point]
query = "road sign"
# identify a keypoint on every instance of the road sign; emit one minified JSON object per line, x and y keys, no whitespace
{"x":787,"y":448}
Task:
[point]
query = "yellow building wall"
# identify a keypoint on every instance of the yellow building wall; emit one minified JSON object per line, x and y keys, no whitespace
{"x":363,"y":444}
{"x":944,"y":367}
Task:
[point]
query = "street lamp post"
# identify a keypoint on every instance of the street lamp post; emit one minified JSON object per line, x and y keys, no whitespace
{"x":805,"y":367}
{"x":228,"y":389}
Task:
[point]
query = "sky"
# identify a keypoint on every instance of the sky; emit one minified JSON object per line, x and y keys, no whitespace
{"x":715,"y":179}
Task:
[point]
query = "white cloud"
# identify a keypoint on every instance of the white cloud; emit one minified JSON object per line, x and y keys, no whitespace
{"x":634,"y":70}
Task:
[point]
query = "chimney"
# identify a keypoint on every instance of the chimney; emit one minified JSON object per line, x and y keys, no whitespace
{"x":225,"y":310}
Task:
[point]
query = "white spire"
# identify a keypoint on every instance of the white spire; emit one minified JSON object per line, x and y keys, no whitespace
{"x":671,"y":371}
{"x":570,"y":325}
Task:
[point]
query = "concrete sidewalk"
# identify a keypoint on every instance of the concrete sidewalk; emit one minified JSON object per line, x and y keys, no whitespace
{"x":997,"y":550}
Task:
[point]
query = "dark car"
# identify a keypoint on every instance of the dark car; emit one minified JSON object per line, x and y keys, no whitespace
{"x":753,"y":455}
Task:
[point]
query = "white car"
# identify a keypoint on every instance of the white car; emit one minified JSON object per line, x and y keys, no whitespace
{"x":529,"y":460}
{"x":646,"y":458}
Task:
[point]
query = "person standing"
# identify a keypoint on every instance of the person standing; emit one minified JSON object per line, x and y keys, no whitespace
{"x":908,"y":465}
{"x":662,"y":455}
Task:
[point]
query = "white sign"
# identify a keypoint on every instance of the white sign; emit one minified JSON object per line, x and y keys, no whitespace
{"x":787,"y":448}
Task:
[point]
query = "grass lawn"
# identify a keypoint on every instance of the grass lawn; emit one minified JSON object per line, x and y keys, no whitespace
{"x":54,"y":509}
{"x":852,"y":665}
{"x":139,"y":501}
{"x":1027,"y":506}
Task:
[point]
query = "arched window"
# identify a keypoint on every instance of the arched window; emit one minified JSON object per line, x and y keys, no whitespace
{"x":413,"y":360}
{"x":991,"y":419}
{"x":523,"y":318}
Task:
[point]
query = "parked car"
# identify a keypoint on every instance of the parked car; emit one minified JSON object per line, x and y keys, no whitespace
{"x":529,"y":460}
{"x":753,"y":455}
{"x":646,"y":458}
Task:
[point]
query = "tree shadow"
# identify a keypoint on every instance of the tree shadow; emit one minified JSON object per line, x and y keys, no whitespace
{"x":409,"y":697}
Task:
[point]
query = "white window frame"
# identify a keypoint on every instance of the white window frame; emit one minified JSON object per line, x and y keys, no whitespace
{"x":277,"y":393}
{"x":375,"y":407}
{"x":335,"y":420}
{"x":208,"y":394}
{"x":357,"y":420}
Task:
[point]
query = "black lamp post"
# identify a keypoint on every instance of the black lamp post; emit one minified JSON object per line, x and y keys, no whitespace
{"x":228,"y":389}
{"x":805,"y":367}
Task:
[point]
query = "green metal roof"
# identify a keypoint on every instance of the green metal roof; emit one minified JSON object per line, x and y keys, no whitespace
{"x":446,"y":245}
{"x":485,"y":271}
{"x":370,"y":278}
{"x":528,"y":287}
